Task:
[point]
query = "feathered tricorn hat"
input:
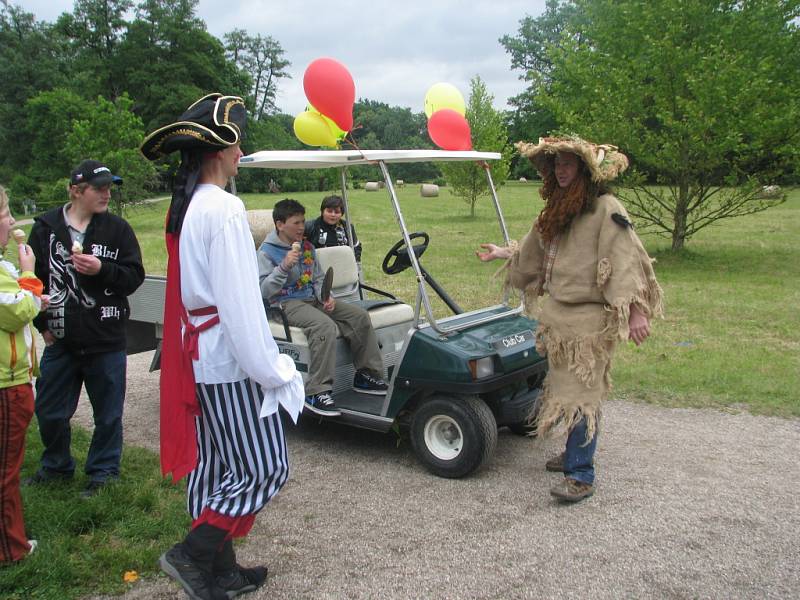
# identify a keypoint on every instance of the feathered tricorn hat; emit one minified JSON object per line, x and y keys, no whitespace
{"x":604,"y":161}
{"x":214,"y":122}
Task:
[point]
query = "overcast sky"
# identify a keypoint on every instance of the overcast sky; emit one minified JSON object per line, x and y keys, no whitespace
{"x":394,"y":49}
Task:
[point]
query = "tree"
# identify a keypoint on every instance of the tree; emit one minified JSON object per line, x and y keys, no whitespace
{"x":95,"y":30}
{"x":261,"y":57}
{"x":111,"y":133}
{"x":168,"y":60}
{"x":49,"y":117}
{"x":702,"y":95}
{"x":468,"y":180}
{"x":30,"y":61}
{"x":380,"y":126}
{"x":529,"y":51}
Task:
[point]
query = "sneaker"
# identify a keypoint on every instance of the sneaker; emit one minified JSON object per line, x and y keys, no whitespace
{"x":197,"y":583}
{"x":92,"y":488}
{"x":33,"y":544}
{"x":46,"y":476}
{"x":322,"y":404}
{"x":241,"y":580}
{"x":555,"y":464}
{"x":367,"y":384}
{"x":572,"y":490}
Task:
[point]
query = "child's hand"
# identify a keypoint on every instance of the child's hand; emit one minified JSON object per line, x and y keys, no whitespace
{"x":26,"y":258}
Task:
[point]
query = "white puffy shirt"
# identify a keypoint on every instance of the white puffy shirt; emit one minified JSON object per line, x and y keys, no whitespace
{"x":219,"y":268}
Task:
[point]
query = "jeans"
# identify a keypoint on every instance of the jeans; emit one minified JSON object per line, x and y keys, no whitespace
{"x":578,"y":455}
{"x":57,"y":391}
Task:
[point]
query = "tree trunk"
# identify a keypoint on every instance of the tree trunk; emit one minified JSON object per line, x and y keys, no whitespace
{"x":680,"y":217}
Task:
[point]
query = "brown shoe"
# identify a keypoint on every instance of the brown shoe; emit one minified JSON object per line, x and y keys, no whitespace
{"x":572,"y":490}
{"x":555,"y":464}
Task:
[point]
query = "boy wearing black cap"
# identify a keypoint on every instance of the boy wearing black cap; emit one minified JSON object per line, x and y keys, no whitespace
{"x":90,"y":262}
{"x":222,"y":377}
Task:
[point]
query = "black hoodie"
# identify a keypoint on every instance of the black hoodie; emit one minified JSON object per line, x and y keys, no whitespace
{"x":87,"y":312}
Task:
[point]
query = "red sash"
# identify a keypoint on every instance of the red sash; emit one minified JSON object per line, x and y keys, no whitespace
{"x":179,"y":405}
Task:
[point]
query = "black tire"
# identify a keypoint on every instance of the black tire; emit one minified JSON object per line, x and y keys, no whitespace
{"x":453,"y":435}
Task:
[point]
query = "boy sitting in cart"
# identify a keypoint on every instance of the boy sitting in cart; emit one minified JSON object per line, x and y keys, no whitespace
{"x":291,"y":278}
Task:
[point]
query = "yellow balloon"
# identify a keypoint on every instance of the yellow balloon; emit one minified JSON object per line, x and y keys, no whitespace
{"x":310,"y":128}
{"x":335,"y":130}
{"x":444,"y":95}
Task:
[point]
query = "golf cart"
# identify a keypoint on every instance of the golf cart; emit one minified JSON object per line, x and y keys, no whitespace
{"x":452,"y":381}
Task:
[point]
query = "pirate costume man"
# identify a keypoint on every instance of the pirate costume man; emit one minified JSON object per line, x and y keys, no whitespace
{"x":222,"y":377}
{"x":597,"y":280}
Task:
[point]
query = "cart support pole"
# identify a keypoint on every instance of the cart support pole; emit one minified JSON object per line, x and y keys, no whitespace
{"x":421,"y":291}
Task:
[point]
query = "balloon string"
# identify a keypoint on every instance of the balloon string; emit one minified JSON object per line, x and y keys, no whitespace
{"x":348,"y":137}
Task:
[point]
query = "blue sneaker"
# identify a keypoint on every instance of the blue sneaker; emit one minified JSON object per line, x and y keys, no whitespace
{"x":322,"y":404}
{"x":367,"y":384}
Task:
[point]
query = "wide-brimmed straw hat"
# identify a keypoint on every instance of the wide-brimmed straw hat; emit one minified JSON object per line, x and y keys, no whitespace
{"x":212,"y":123}
{"x":604,"y":161}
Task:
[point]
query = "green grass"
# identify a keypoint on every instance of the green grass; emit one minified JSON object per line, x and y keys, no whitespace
{"x":729,"y":338}
{"x":86,"y":546}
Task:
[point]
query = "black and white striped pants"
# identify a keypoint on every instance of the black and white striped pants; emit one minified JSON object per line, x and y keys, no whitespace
{"x":242,"y":459}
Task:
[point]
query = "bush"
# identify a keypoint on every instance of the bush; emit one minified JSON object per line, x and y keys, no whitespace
{"x":53,"y":194}
{"x":21,"y":188}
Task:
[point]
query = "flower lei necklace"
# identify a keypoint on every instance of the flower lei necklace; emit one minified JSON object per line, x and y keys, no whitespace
{"x":308,"y":264}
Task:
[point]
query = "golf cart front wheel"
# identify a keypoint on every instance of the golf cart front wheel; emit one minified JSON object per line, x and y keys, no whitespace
{"x":453,"y":436}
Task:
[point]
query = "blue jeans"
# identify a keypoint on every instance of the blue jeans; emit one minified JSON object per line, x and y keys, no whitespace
{"x":578,"y":455}
{"x":57,"y":391}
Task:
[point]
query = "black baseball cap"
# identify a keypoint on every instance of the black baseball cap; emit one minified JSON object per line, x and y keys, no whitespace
{"x":94,"y":173}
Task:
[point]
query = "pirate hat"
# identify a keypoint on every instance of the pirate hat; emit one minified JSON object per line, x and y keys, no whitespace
{"x":604,"y":161}
{"x":212,"y":123}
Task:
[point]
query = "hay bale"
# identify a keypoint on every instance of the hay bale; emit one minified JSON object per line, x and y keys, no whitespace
{"x":372,"y":186}
{"x":770,"y":191}
{"x":261,"y":223}
{"x":429,"y":190}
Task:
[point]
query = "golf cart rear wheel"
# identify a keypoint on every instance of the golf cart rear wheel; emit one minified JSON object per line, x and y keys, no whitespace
{"x":453,"y":435}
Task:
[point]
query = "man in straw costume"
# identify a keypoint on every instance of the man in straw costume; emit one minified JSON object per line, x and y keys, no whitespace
{"x":583,"y":253}
{"x":222,"y":378}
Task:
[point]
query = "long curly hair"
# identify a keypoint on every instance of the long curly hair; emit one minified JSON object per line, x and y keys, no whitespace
{"x":562,"y":205}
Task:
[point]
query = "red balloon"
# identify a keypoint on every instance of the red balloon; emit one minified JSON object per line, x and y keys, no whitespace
{"x":449,"y":130}
{"x":330,"y":89}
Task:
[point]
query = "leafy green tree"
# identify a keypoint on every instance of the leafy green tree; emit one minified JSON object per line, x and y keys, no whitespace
{"x":489,"y":134}
{"x":701,"y":94}
{"x":261,"y":57}
{"x":111,"y":133}
{"x":380,"y":126}
{"x":49,"y":117}
{"x":168,"y":60}
{"x":529,"y":51}
{"x":94,"y":31}
{"x":30,"y":62}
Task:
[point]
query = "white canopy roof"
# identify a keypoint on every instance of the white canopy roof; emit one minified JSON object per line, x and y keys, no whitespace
{"x":317,"y":159}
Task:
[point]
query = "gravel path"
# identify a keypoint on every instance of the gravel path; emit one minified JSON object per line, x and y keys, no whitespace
{"x":690,"y":504}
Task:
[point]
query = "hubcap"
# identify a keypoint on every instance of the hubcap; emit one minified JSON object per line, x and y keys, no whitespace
{"x":443,"y":437}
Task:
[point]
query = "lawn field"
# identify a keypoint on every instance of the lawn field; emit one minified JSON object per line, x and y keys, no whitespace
{"x":729,"y":341}
{"x":730,"y":334}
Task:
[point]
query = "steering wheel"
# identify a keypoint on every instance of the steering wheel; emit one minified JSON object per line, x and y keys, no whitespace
{"x":399,"y":253}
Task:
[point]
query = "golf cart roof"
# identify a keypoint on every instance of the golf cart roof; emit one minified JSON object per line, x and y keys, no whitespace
{"x":317,"y":159}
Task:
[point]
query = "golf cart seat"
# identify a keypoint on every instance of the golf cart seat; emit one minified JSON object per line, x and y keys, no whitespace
{"x":382,"y":313}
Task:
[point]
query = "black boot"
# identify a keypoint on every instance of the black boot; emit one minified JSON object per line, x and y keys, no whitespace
{"x":235,"y":579}
{"x":190,"y":563}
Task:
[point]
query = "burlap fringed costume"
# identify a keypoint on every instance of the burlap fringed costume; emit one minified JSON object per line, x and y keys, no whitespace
{"x":598,"y":267}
